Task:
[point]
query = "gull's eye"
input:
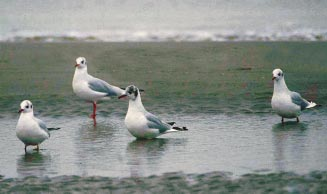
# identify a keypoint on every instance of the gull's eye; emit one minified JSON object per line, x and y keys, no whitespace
{"x":31,"y":106}
{"x":82,"y":62}
{"x":279,"y":74}
{"x":26,"y":106}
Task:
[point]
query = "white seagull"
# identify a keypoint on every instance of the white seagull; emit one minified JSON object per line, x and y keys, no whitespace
{"x":90,"y":88}
{"x":142,"y":124}
{"x":31,"y":130}
{"x":284,"y":102}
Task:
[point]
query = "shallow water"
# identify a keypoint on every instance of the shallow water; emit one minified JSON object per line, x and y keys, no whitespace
{"x":238,"y":144}
{"x":226,"y":108}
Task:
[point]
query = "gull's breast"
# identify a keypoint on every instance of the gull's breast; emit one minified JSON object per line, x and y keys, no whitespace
{"x":282,"y":104}
{"x":136,"y":124}
{"x":30,"y":133}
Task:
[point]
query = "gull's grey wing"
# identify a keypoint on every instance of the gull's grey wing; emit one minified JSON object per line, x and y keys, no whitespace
{"x":103,"y":87}
{"x":298,"y":100}
{"x":155,"y":123}
{"x":42,"y":125}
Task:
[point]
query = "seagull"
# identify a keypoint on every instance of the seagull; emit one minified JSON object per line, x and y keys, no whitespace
{"x":142,"y":124}
{"x":90,"y":88}
{"x":31,"y":130}
{"x":284,"y":102}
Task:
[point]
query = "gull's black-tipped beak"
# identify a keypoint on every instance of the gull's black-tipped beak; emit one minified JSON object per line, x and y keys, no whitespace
{"x":122,"y":96}
{"x":77,"y":65}
{"x":273,"y":78}
{"x":20,"y":110}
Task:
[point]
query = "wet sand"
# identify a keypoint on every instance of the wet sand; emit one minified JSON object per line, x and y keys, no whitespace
{"x":215,"y":182}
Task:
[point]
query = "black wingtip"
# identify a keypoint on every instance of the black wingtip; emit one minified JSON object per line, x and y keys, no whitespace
{"x":185,"y":129}
{"x":171,"y":123}
{"x":180,"y":129}
{"x":123,"y":88}
{"x":53,"y":129}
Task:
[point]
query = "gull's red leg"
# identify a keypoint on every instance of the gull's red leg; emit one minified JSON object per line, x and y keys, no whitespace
{"x":94,"y":110}
{"x":93,"y":115}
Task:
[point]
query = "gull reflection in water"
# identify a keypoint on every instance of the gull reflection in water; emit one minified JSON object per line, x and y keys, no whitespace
{"x":94,"y":144}
{"x":89,"y":134}
{"x":288,"y":141}
{"x":33,"y":164}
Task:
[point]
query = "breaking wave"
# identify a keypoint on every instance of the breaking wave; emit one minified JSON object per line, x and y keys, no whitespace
{"x":163,"y":36}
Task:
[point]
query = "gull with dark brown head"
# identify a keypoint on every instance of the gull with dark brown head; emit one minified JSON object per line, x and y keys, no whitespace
{"x":142,"y":124}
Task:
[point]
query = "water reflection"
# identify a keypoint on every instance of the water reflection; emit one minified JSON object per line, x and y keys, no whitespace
{"x":33,"y":164}
{"x":89,"y":133}
{"x":146,"y":154}
{"x":289,"y":143}
{"x":94,"y":144}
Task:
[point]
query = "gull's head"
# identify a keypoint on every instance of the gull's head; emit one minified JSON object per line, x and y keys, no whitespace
{"x":80,"y":63}
{"x":132,"y":92}
{"x":277,"y":74}
{"x":26,"y":106}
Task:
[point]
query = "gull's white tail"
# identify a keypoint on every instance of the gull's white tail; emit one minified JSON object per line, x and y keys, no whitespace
{"x":311,"y":105}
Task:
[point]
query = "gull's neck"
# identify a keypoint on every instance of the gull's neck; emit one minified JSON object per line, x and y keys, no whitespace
{"x":136,"y":105}
{"x":280,"y":86}
{"x":26,"y":114}
{"x":80,"y":72}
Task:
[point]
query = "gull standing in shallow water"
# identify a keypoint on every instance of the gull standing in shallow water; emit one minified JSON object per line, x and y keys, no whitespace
{"x":90,"y":88}
{"x":284,"y":102}
{"x":142,"y":124}
{"x":31,"y":130}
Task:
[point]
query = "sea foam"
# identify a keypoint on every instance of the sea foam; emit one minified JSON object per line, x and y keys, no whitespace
{"x":162,"y":36}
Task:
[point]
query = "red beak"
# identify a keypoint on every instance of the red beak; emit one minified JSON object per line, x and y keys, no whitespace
{"x":122,"y":96}
{"x":20,"y":110}
{"x":77,"y":65}
{"x":273,"y":78}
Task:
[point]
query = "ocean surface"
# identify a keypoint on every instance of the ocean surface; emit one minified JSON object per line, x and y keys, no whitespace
{"x":222,"y":97}
{"x":149,"y":20}
{"x":220,"y":90}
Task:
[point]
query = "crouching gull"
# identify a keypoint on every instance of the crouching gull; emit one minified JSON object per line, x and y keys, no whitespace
{"x":142,"y":124}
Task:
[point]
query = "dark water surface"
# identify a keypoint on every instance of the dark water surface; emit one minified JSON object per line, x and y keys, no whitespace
{"x":220,"y":91}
